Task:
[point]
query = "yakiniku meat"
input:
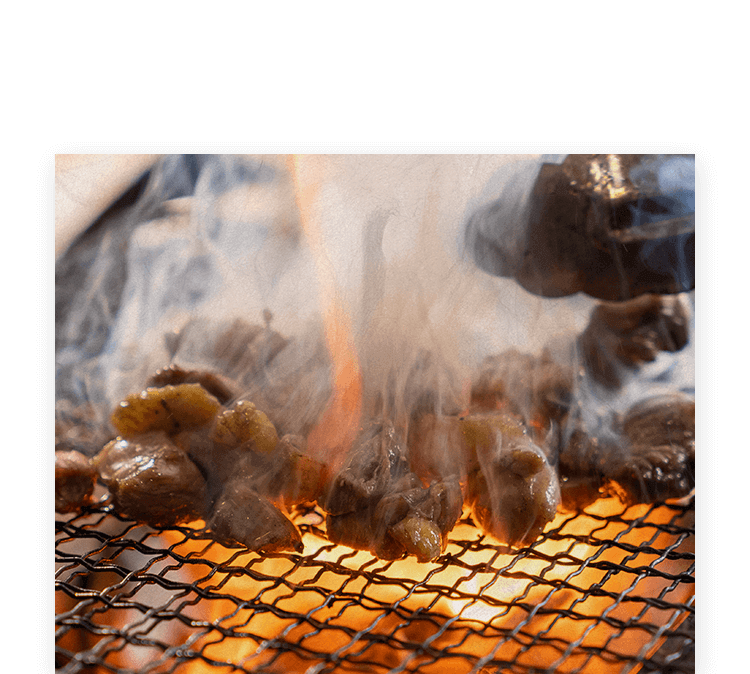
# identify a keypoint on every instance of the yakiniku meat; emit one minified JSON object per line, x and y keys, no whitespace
{"x":244,"y":424}
{"x":74,"y":481}
{"x":241,"y":515}
{"x":650,"y":457}
{"x":376,"y":460}
{"x":169,"y":409}
{"x":152,"y":480}
{"x":512,"y":489}
{"x":218,"y":386}
{"x":240,"y":438}
{"x":239,"y":350}
{"x":420,"y":519}
{"x":305,"y":478}
{"x":376,"y":503}
{"x":660,"y":459}
{"x":622,"y":336}
{"x":538,"y":389}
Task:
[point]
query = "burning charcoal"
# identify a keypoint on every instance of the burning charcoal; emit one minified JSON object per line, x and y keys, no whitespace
{"x":74,"y":481}
{"x":219,"y":387}
{"x":243,"y":516}
{"x":620,"y":337}
{"x":170,"y":409}
{"x":152,"y":480}
{"x":512,"y":488}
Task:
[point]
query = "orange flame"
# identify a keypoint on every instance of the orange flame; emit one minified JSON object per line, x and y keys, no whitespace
{"x":338,"y":425}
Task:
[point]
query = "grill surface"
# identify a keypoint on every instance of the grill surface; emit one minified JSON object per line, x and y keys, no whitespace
{"x":608,"y":590}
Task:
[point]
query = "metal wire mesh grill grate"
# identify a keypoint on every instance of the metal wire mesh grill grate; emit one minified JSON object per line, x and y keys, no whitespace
{"x":608,"y":590}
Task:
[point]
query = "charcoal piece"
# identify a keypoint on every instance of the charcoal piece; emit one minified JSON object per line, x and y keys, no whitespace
{"x":74,"y":481}
{"x":152,"y":480}
{"x":241,"y":515}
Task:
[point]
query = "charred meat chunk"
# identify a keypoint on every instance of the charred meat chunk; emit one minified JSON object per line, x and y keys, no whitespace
{"x":152,"y":480}
{"x":74,"y":481}
{"x":649,"y":457}
{"x":419,"y":519}
{"x":241,"y":515}
{"x":376,"y":503}
{"x":512,"y":489}
{"x":305,"y":478}
{"x":659,"y":461}
{"x":377,"y":459}
{"x":621,"y":336}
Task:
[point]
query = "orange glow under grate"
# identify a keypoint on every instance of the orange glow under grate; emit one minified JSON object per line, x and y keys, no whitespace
{"x":598,"y":592}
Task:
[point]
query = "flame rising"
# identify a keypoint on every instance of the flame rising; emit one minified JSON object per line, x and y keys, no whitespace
{"x":338,"y":425}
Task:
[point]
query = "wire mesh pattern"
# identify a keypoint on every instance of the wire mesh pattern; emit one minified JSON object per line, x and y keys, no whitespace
{"x":608,"y":590}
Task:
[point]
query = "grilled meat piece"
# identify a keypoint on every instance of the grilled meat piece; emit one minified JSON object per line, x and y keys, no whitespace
{"x":169,"y":409}
{"x":622,"y":336}
{"x":305,"y":478}
{"x":237,"y":349}
{"x":152,"y":480}
{"x":651,"y":457}
{"x":376,"y":460}
{"x":660,"y":461}
{"x":537,"y":389}
{"x":218,"y":386}
{"x":74,"y":481}
{"x":376,"y":503}
{"x":242,"y":515}
{"x":512,"y":488}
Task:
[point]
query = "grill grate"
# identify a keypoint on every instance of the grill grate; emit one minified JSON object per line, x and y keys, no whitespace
{"x":611,"y":589}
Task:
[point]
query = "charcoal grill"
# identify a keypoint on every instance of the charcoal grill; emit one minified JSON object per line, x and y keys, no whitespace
{"x":607,"y":590}
{"x":610,"y":589}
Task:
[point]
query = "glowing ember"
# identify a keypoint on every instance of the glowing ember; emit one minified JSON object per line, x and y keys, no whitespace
{"x":569,"y":602}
